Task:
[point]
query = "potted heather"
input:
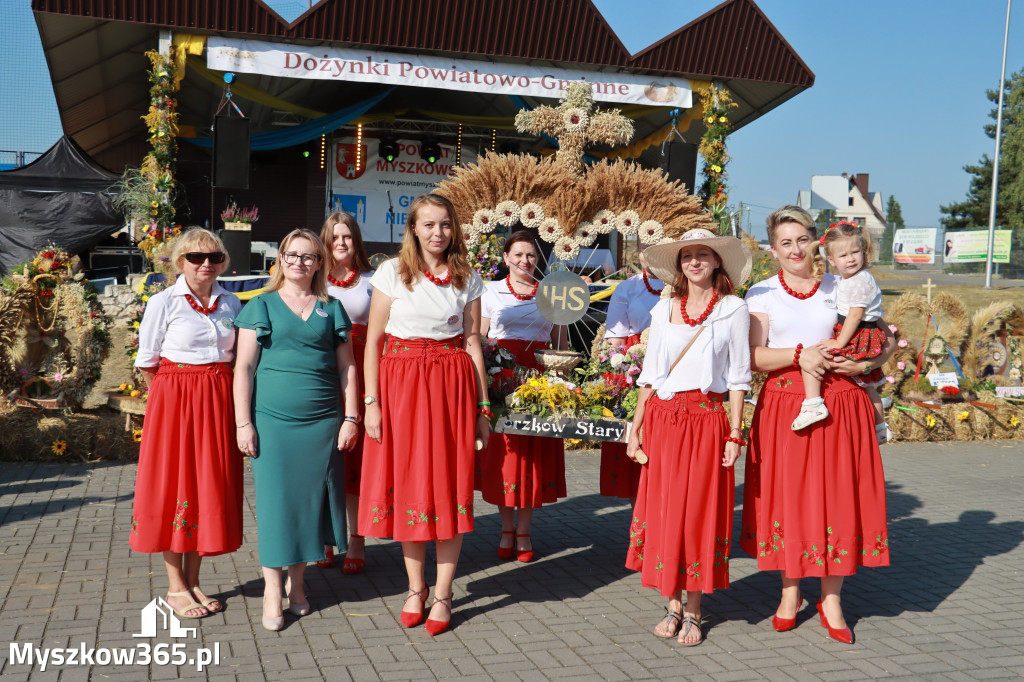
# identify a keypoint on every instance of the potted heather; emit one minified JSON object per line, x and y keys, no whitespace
{"x":236,"y":218}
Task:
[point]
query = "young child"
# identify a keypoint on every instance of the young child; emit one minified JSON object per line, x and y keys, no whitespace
{"x":856,"y":335}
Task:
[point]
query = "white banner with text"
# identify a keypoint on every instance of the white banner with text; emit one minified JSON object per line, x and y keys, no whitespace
{"x":393,"y":68}
{"x":971,"y":246}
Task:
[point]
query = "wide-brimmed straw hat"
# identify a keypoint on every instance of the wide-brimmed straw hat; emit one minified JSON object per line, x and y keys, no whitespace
{"x":663,"y":259}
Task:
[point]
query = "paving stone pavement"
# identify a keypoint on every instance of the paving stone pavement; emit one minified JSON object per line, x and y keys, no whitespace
{"x":950,"y":608}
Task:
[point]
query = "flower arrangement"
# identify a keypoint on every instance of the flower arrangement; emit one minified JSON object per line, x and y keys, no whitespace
{"x":716,"y":103}
{"x":549,"y":396}
{"x":485,"y":256}
{"x":503,"y":374}
{"x":146,"y":195}
{"x":233,"y":214}
{"x":617,"y":369}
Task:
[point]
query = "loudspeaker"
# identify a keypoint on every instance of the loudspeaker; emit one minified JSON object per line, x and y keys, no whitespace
{"x":117,"y":257}
{"x":231,"y":152}
{"x":239,"y":244}
{"x":682,"y":164}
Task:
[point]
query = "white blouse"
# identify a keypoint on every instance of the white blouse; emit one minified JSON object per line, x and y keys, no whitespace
{"x":792,"y":320}
{"x":718,"y":361}
{"x":629,"y":309}
{"x":511,"y":318}
{"x":355,"y":299}
{"x":860,"y":291}
{"x":171,"y":329}
{"x":428,"y":311}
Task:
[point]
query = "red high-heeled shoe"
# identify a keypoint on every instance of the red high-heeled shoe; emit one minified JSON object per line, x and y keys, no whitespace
{"x":844,"y":635}
{"x":352,"y":566}
{"x":410,"y":619}
{"x":526,"y":555}
{"x":436,"y":627}
{"x":785,"y":624}
{"x":328,"y":560}
{"x":506,"y":552}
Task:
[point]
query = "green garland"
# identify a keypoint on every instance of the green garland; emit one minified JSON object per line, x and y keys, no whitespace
{"x":716,"y":104}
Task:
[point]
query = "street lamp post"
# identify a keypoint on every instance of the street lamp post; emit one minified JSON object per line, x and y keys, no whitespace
{"x":995,"y":161}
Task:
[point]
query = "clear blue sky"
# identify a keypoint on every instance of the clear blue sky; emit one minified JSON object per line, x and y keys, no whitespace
{"x":899,"y":93}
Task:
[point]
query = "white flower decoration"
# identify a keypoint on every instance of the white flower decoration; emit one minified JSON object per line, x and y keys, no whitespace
{"x":531,"y":215}
{"x":575,"y":120}
{"x":507,"y":213}
{"x":566,"y":248}
{"x":604,"y":221}
{"x":484,"y":221}
{"x":586,"y":234}
{"x":651,"y":232}
{"x":550,"y":230}
{"x":616,"y":360}
{"x":628,"y":222}
{"x":470,"y":236}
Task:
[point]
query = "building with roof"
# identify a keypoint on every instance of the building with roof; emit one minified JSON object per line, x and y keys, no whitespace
{"x":302,"y":126}
{"x":851,"y":199}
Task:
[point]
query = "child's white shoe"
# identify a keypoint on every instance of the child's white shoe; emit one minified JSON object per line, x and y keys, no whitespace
{"x":812,"y":410}
{"x":883,"y":433}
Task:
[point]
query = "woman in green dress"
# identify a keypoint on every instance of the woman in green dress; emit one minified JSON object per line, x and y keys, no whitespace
{"x":293,"y":352}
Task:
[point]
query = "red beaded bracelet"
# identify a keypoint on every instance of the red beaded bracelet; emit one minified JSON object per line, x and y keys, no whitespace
{"x":796,"y":354}
{"x":738,"y":441}
{"x":485,"y":412}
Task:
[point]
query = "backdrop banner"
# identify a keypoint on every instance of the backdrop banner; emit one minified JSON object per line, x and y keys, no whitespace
{"x":425,"y":71}
{"x":914,"y":245}
{"x":972,"y":246}
{"x":360,"y":181}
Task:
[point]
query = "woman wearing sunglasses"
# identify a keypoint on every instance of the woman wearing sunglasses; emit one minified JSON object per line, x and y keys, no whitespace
{"x":188,"y":490}
{"x":293,"y":354}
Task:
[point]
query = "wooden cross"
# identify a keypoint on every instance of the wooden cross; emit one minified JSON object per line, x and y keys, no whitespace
{"x":928,"y":287}
{"x":575,"y":123}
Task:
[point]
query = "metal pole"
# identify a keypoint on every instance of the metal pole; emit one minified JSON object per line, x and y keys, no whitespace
{"x":995,"y":161}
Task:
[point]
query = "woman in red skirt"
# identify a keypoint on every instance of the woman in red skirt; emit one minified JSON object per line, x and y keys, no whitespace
{"x":813,"y":500}
{"x":426,"y":403}
{"x":629,"y":314}
{"x":519,"y":472}
{"x":697,"y":351}
{"x":348,"y":280}
{"x":188,"y":490}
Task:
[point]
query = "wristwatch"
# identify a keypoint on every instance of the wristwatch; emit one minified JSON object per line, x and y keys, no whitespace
{"x":369,"y":399}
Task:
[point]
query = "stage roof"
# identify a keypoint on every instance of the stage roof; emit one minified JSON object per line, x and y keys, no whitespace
{"x":95,"y":53}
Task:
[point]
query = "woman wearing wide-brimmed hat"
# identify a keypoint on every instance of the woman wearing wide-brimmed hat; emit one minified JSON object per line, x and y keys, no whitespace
{"x":697,"y":353}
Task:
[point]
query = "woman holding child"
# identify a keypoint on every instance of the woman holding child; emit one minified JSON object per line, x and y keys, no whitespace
{"x":814,"y":499}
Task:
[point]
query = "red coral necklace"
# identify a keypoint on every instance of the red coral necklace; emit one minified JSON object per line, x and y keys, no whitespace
{"x":438,"y":280}
{"x":802,"y":297}
{"x":521,"y":297}
{"x":201,"y":308}
{"x":344,"y":283}
{"x":703,"y":315}
{"x":647,"y":283}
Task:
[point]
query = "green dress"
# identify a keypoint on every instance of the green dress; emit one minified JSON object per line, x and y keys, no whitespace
{"x":295,"y":409}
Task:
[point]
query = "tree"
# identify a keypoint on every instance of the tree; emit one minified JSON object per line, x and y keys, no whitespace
{"x":894,"y":221}
{"x":974,"y":210}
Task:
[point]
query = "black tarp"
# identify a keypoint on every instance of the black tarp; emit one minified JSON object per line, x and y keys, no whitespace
{"x":63,"y":198}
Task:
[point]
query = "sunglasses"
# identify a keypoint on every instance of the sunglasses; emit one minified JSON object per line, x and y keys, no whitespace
{"x":197,"y":257}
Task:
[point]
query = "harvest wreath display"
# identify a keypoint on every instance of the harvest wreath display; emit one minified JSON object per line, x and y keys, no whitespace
{"x":53,"y":333}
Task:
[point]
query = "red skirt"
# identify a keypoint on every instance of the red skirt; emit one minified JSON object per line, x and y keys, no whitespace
{"x":417,"y":483}
{"x":814,"y":500}
{"x":188,"y":489}
{"x":354,"y":457}
{"x":682,"y":524}
{"x":866,"y":344}
{"x":619,"y":475}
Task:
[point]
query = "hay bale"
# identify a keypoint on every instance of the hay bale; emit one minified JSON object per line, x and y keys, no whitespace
{"x":30,"y":435}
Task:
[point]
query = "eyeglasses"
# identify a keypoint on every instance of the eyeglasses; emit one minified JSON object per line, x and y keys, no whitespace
{"x":291,"y":258}
{"x":197,"y":257}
